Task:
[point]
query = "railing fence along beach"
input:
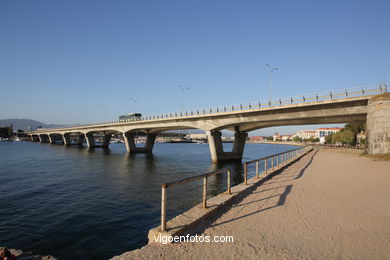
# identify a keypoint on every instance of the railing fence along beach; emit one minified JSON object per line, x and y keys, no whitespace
{"x":263,"y":166}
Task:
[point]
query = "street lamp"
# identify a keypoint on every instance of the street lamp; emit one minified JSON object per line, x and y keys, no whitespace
{"x":183,"y":89}
{"x":271,"y":69}
{"x":104,"y":112}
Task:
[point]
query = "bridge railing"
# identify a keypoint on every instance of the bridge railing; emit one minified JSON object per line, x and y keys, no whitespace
{"x":264,"y":166}
{"x":319,"y":96}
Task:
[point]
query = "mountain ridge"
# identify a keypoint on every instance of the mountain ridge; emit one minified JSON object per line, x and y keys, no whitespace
{"x":25,"y":124}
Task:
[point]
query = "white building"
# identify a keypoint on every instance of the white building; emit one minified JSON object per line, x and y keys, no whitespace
{"x":306,"y":134}
{"x":323,"y":132}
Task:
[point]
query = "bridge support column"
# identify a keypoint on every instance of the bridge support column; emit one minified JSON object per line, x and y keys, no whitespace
{"x":378,"y":125}
{"x":106,"y":140}
{"x":132,"y":148}
{"x":51,"y":139}
{"x":216,"y":149}
{"x":34,"y":138}
{"x":66,"y":139}
{"x":43,"y":138}
{"x":90,"y":140}
{"x":81,"y":139}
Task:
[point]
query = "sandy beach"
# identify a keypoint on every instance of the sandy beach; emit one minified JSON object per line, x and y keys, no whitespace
{"x":328,"y":205}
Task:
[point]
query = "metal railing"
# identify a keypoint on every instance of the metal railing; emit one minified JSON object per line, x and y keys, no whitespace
{"x":319,"y":96}
{"x":274,"y":162}
{"x":269,"y":166}
{"x":203,"y":177}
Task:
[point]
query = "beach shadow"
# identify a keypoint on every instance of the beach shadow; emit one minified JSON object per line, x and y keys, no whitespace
{"x":211,"y":222}
{"x":281,"y":202}
{"x":301,"y":172}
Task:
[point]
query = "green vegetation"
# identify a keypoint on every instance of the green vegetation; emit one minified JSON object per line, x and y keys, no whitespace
{"x":313,"y":140}
{"x":297,"y":139}
{"x":6,"y":132}
{"x":347,"y":135}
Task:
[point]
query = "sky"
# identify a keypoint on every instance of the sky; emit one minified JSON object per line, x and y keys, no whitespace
{"x":76,"y":62}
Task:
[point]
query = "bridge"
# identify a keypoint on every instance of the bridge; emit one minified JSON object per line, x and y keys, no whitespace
{"x":367,"y":104}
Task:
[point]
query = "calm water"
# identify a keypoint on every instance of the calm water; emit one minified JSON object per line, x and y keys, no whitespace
{"x":71,"y":203}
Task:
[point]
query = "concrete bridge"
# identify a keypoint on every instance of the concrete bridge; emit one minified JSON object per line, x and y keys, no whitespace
{"x":368,"y":104}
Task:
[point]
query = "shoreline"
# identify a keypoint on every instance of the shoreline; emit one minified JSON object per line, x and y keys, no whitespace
{"x":309,"y":211}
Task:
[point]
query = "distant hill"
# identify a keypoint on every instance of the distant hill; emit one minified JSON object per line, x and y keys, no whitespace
{"x":25,"y":124}
{"x":31,"y":125}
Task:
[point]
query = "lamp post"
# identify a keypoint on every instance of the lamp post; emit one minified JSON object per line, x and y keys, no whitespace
{"x":271,"y":69}
{"x":104,"y":112}
{"x":183,"y":89}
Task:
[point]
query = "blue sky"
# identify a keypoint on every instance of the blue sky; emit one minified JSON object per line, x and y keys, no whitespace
{"x":72,"y":62}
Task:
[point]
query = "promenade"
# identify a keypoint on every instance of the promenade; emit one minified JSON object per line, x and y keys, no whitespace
{"x":328,"y":205}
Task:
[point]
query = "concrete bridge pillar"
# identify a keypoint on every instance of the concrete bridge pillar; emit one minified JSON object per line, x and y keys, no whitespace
{"x":132,"y":148}
{"x":90,"y":140}
{"x":66,"y":139}
{"x":106,"y":140}
{"x":51,"y":139}
{"x":378,"y":125}
{"x":81,"y":139}
{"x":43,"y":138}
{"x":216,"y":149}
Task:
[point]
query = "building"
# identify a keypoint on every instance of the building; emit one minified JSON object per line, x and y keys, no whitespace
{"x":256,"y":139}
{"x":321,"y":133}
{"x":277,"y":137}
{"x":306,"y":134}
{"x":197,"y":136}
{"x":361,"y":138}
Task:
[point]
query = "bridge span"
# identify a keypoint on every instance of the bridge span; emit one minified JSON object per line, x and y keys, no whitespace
{"x":369,"y":104}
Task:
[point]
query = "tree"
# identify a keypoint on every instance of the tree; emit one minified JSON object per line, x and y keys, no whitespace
{"x":355,"y":127}
{"x":313,"y":140}
{"x":5,"y":132}
{"x":329,"y":139}
{"x":10,"y":131}
{"x":297,"y":139}
{"x":348,"y":137}
{"x":344,"y":136}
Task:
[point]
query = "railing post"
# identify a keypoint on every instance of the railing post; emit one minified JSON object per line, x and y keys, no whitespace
{"x":204,"y":192}
{"x":245,"y":173}
{"x":277,"y":161}
{"x":273,"y":163}
{"x":265,"y":166}
{"x":228,"y":182}
{"x":163,"y":207}
{"x":257,"y":169}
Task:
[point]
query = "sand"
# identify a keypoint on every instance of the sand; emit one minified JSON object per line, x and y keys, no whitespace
{"x":328,"y":205}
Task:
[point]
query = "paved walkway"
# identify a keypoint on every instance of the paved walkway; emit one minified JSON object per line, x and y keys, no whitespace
{"x":328,"y":205}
